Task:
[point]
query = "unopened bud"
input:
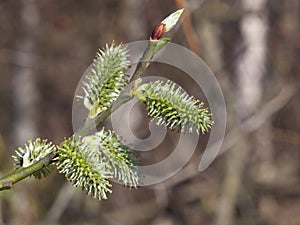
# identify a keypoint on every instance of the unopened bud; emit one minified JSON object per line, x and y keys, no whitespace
{"x":158,"y":31}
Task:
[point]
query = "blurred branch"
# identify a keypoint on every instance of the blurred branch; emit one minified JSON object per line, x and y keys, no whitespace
{"x":142,"y":211}
{"x":287,"y":92}
{"x":231,"y":183}
{"x":6,"y":56}
{"x":287,"y":136}
{"x":188,"y":29}
{"x":3,"y":153}
{"x":146,"y":210}
{"x":60,"y":204}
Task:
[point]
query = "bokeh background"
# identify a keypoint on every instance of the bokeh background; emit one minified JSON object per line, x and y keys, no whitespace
{"x":253,"y":47}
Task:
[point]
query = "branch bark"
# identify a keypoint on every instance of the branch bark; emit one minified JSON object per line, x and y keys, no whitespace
{"x":18,"y":175}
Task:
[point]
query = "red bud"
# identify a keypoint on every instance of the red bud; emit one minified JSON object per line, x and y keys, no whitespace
{"x":158,"y":31}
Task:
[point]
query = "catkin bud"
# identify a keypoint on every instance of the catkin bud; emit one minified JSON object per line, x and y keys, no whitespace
{"x":158,"y":31}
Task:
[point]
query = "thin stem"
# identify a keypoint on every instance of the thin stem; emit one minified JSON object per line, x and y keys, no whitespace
{"x":18,"y":175}
{"x":153,"y":47}
{"x":92,"y":123}
{"x":145,"y":60}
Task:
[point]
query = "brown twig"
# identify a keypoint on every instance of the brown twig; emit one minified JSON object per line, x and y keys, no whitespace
{"x":188,"y":29}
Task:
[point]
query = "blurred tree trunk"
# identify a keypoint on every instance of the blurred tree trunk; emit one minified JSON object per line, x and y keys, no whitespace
{"x":25,"y":99}
{"x":24,"y":87}
{"x":250,"y":69}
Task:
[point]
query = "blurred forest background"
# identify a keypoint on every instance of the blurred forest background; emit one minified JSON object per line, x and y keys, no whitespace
{"x":252,"y":46}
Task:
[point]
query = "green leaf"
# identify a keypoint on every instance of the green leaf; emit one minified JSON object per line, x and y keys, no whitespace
{"x":169,"y":105}
{"x":106,"y":80}
{"x":172,"y":19}
{"x":32,"y":152}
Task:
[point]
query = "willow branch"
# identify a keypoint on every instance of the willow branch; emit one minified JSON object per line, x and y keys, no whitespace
{"x":155,"y":44}
{"x":153,"y":47}
{"x":18,"y":175}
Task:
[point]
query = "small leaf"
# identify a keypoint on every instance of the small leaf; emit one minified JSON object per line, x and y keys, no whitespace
{"x":170,"y":106}
{"x":172,"y":19}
